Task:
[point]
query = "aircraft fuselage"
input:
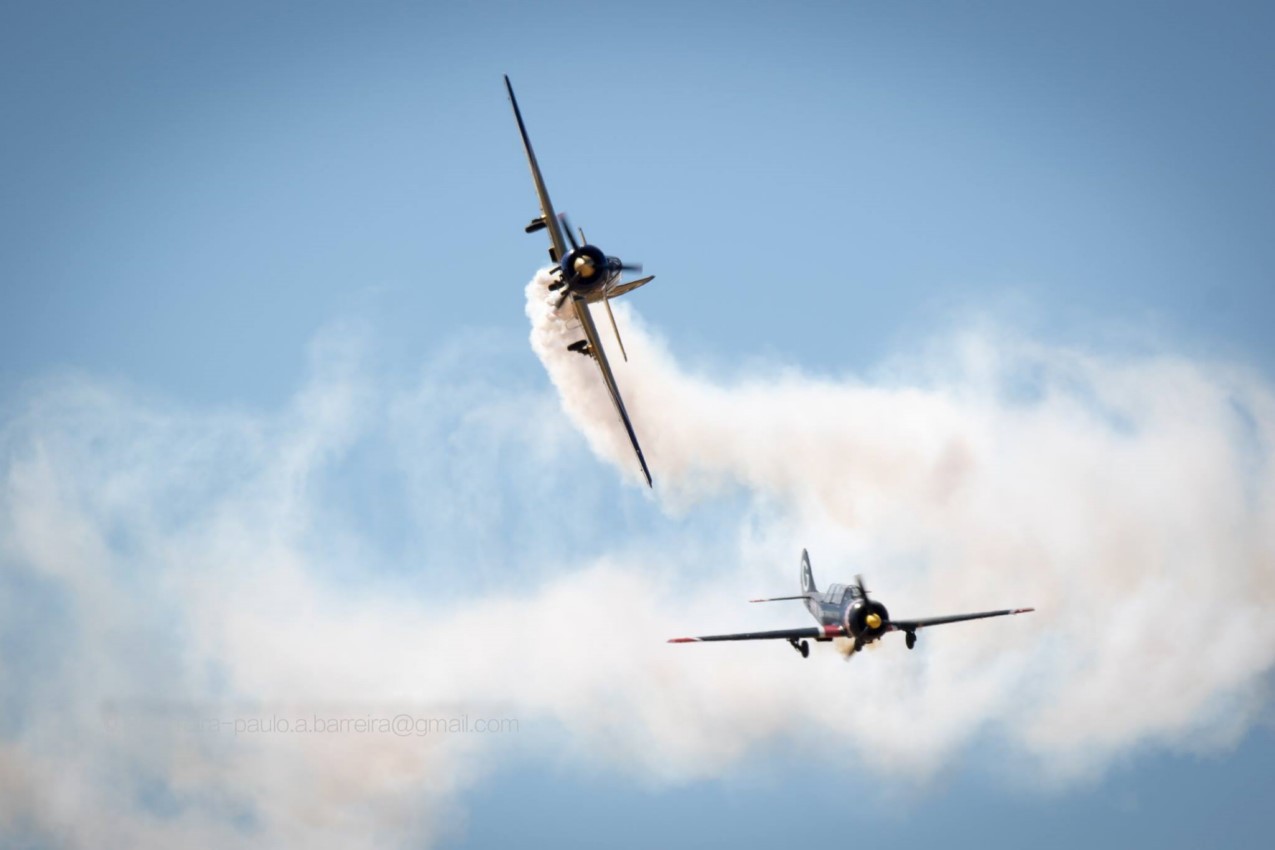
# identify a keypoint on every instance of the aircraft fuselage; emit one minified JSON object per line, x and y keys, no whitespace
{"x":865,"y":620}
{"x":587,"y":271}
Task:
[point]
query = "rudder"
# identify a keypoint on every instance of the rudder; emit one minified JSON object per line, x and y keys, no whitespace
{"x":807,"y":575}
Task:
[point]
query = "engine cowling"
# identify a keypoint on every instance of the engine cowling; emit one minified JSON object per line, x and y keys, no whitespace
{"x":867,"y":620}
{"x":585,"y":267}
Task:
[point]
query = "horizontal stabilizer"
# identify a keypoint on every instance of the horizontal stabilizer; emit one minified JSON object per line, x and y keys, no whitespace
{"x":623,"y":288}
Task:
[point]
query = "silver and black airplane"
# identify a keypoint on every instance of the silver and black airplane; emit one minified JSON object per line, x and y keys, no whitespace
{"x":845,"y":611}
{"x":584,"y":275}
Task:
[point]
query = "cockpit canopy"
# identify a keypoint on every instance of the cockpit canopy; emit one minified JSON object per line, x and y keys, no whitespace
{"x":836,"y":593}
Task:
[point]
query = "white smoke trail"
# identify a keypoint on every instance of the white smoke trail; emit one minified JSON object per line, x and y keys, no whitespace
{"x":1132,"y":501}
{"x":576,"y":377}
{"x":150,"y":551}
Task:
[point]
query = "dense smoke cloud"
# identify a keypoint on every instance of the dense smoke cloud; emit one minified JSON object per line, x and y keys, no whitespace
{"x":1131,"y":499}
{"x":159,"y":561}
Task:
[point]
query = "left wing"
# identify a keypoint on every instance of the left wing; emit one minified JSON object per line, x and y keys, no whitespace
{"x":550,"y":221}
{"x":816,"y":632}
{"x":913,"y":625}
{"x":600,"y":357}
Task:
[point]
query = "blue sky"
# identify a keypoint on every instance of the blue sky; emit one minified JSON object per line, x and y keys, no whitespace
{"x":201,"y":203}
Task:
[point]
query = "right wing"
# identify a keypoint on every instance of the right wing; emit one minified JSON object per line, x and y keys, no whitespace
{"x":600,"y":357}
{"x":913,"y":625}
{"x":816,"y":632}
{"x":546,"y":207}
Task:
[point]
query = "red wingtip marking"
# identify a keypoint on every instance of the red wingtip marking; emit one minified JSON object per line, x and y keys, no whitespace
{"x":683,"y":640}
{"x":757,"y":600}
{"x":1023,"y":610}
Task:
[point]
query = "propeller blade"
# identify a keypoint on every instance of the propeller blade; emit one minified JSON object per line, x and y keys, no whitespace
{"x":606,"y":299}
{"x":630,"y":267}
{"x":566,"y":226}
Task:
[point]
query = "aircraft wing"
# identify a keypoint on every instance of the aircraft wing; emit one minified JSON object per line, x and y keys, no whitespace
{"x":600,"y":357}
{"x":912,"y":625}
{"x":551,"y":222}
{"x":816,"y":632}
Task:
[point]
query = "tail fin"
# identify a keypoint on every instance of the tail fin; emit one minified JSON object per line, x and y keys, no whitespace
{"x":808,"y":590}
{"x":807,"y":576}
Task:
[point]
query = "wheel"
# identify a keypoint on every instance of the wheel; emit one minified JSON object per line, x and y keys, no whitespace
{"x":911,"y":640}
{"x":804,"y":649}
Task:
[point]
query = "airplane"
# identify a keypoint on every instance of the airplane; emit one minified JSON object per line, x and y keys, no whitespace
{"x":844,"y":611}
{"x":585,"y":276}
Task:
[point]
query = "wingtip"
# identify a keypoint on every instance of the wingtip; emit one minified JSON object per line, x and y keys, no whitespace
{"x":683,"y":640}
{"x":1022,"y":610}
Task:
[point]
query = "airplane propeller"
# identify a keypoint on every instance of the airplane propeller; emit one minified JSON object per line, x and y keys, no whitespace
{"x":873,"y":620}
{"x":575,"y":246}
{"x":571,"y":237}
{"x":614,"y":265}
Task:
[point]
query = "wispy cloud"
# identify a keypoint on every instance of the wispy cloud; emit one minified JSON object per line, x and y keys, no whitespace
{"x":1131,"y":499}
{"x":250,"y":564}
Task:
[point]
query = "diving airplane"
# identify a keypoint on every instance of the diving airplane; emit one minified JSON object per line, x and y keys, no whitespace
{"x":845,"y":611}
{"x":585,"y":276}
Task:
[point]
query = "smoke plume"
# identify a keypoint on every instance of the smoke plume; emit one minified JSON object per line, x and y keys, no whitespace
{"x":163,"y":567}
{"x":1130,"y":499}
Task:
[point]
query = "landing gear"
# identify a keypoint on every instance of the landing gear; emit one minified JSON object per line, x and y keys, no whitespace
{"x":801,"y":646}
{"x":581,"y":347}
{"x":911,"y":640}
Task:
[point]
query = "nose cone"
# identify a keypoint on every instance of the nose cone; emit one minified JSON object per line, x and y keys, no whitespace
{"x":873,"y":620}
{"x":583,"y":266}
